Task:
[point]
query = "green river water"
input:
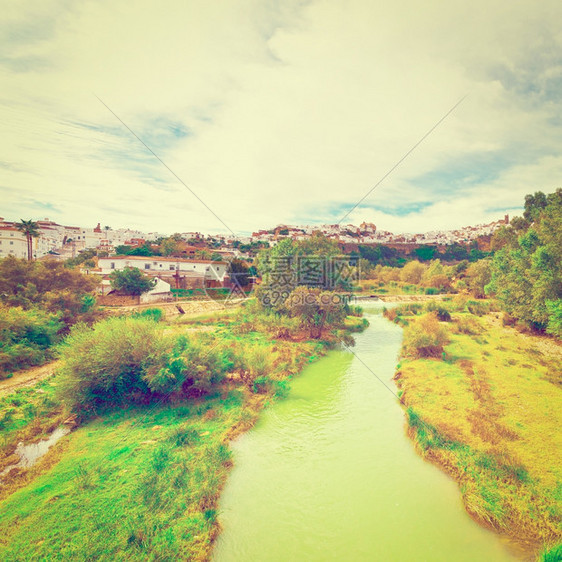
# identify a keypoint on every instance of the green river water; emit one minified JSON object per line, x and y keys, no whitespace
{"x":329,"y":474}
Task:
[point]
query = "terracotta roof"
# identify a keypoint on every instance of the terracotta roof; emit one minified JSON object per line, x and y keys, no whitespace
{"x":160,"y":258}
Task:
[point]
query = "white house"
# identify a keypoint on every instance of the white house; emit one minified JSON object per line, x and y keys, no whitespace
{"x":160,"y":292}
{"x":169,"y":267}
{"x":12,"y":242}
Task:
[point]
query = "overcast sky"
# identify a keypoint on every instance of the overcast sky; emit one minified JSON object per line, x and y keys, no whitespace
{"x":277,"y":111}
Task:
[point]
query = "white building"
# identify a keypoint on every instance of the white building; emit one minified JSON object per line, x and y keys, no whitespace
{"x":157,"y":266}
{"x":12,"y":242}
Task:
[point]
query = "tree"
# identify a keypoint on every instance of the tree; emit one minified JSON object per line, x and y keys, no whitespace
{"x":425,"y":253}
{"x":172,"y":246}
{"x":239,"y":272}
{"x":425,"y":337}
{"x":527,"y":271}
{"x":316,"y":308}
{"x":478,"y":275}
{"x":131,"y":281}
{"x":412,"y":272}
{"x":31,"y":231}
{"x":534,"y":205}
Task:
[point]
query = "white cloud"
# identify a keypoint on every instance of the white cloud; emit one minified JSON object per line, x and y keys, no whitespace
{"x":293,"y":111}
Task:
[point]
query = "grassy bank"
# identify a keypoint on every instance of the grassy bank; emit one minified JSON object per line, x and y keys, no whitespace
{"x":487,"y":408}
{"x":394,"y":288}
{"x":142,"y":482}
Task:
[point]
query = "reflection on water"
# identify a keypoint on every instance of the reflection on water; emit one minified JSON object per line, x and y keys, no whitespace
{"x":30,"y":454}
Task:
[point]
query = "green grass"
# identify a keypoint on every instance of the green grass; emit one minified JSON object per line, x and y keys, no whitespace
{"x":553,"y":554}
{"x":137,"y":484}
{"x":142,"y":483}
{"x":25,"y":407}
{"x":490,"y":415}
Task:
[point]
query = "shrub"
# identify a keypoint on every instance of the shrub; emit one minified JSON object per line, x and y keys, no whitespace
{"x":443,"y":314}
{"x":151,"y":313}
{"x":110,"y":363}
{"x":508,"y":320}
{"x":25,"y":336}
{"x":355,"y":310}
{"x":425,"y":337}
{"x":279,"y":326}
{"x":50,"y":286}
{"x":194,"y":365}
{"x":467,"y":325}
{"x":255,"y":363}
{"x":477,"y":308}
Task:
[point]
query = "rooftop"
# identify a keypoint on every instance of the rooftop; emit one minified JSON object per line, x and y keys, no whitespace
{"x":160,"y":258}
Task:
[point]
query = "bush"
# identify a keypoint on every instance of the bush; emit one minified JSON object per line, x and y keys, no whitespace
{"x":355,"y":310}
{"x":111,"y":363}
{"x":467,"y":325}
{"x":443,"y":314}
{"x":154,"y":314}
{"x":425,"y":337}
{"x":278,"y":325}
{"x":508,"y":320}
{"x":50,"y":286}
{"x":477,"y":308}
{"x":255,"y":363}
{"x":25,"y":336}
{"x":194,"y":366}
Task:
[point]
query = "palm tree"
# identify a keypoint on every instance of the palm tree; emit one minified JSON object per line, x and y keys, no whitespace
{"x":31,"y":231}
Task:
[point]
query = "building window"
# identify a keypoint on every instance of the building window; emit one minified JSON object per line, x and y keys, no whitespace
{"x":11,"y":242}
{"x":147,"y":266}
{"x":172,"y":268}
{"x":112,"y":266}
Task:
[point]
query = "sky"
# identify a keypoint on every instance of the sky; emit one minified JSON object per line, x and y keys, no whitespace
{"x":254,"y":113}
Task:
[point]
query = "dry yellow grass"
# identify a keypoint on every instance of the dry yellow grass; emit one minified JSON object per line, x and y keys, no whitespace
{"x":496,"y":404}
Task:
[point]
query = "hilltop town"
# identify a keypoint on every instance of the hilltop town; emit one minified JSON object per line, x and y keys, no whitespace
{"x":65,"y":242}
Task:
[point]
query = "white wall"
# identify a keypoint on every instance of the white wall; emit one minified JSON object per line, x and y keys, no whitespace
{"x":152,"y":265}
{"x":13,"y":243}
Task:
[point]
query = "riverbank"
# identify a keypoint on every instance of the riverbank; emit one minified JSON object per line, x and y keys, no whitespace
{"x":143,"y":482}
{"x":489,"y":412}
{"x":329,"y":474}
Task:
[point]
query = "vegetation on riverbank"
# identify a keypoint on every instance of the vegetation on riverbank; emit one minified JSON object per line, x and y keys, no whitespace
{"x":488,"y":410}
{"x":39,"y":301}
{"x":140,"y":478}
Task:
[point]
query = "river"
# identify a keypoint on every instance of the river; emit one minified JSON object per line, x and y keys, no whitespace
{"x":329,"y":474}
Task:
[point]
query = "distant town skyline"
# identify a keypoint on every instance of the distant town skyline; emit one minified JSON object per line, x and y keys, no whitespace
{"x":278,"y":113}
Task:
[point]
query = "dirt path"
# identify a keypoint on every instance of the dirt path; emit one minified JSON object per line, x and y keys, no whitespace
{"x":28,"y":377}
{"x":190,"y":307}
